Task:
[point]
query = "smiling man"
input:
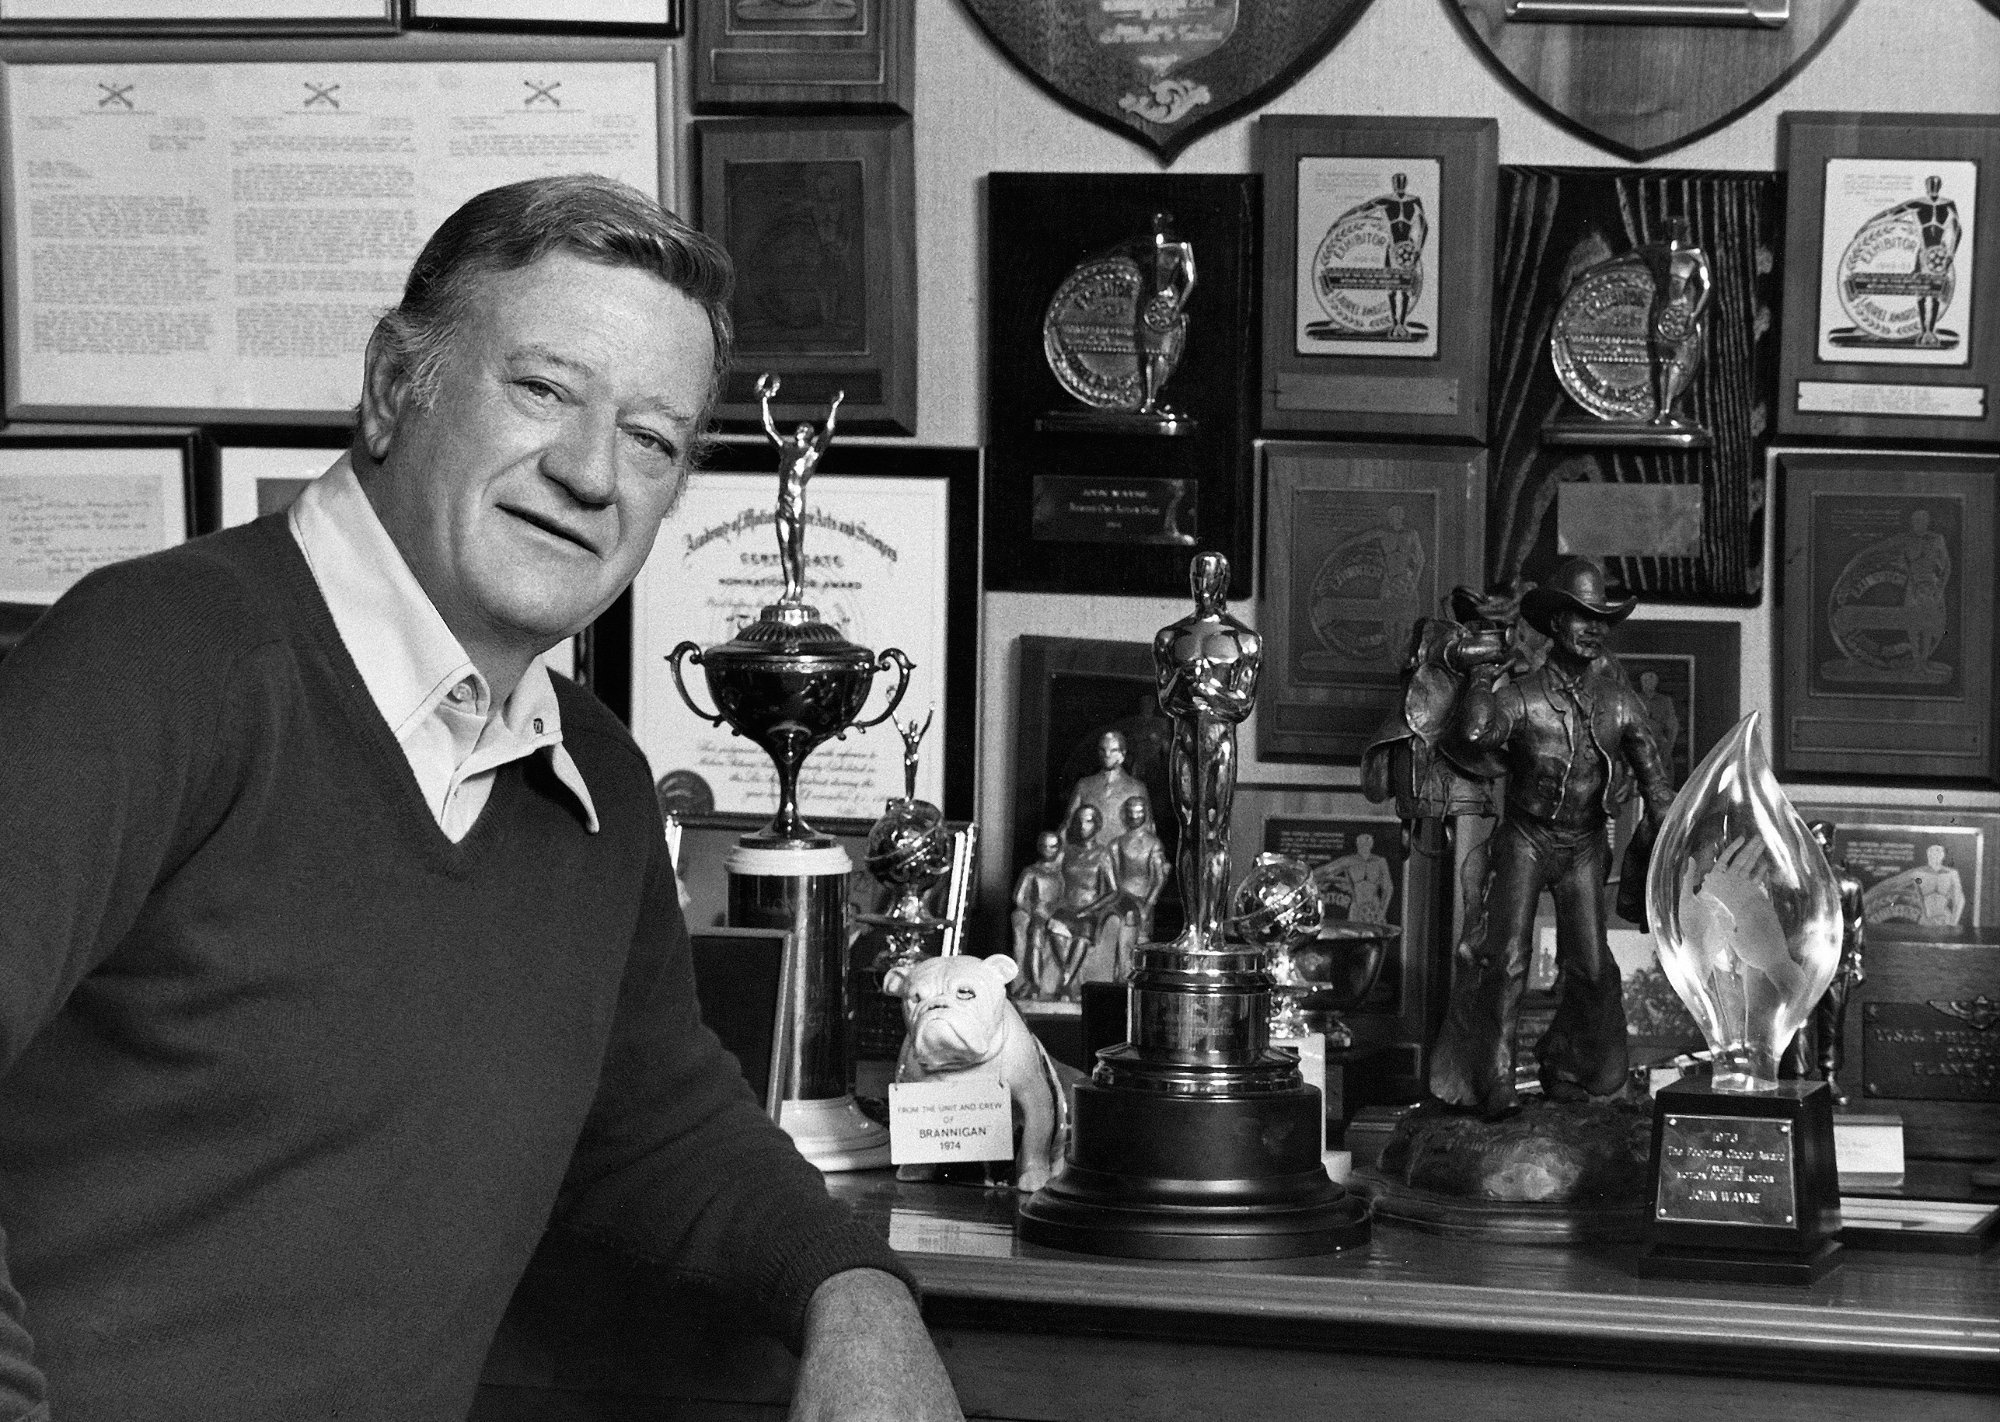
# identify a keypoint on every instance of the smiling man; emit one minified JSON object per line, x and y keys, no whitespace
{"x":339,"y":950}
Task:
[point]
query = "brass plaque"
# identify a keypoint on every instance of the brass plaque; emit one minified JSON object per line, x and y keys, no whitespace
{"x":1931,"y":1051}
{"x":1726,"y":1170}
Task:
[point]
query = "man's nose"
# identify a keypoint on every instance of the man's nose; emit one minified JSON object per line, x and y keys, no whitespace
{"x":583,"y":458}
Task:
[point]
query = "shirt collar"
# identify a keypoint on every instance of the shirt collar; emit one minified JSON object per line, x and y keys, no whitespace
{"x":408,"y":658}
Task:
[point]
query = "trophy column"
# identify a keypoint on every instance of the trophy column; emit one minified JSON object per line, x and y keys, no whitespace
{"x":1197,"y":1139}
{"x":803,"y":890}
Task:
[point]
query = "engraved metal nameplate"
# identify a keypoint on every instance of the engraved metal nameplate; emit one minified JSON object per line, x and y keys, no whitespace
{"x":1920,"y":1051}
{"x":1733,"y":1170}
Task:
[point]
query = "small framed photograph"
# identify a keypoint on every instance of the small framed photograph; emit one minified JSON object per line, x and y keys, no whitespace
{"x":1377,"y":286}
{"x":819,"y":215}
{"x":1892,"y":276}
{"x":155,"y":274}
{"x":71,"y":504}
{"x":192,"y":18}
{"x":1365,"y":874}
{"x":1885,"y":628}
{"x":758,"y":55}
{"x":648,"y":19}
{"x":259,"y":472}
{"x":1690,"y":677}
{"x":1926,"y":870}
{"x":1360,"y":541}
{"x":891,"y":551}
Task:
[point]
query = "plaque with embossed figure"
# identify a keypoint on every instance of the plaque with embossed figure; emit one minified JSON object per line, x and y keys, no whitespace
{"x":1121,"y":379}
{"x":1885,"y":631}
{"x":1366,"y":256}
{"x":1891,"y":322}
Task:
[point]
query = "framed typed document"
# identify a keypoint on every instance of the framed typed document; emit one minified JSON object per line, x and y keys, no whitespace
{"x":1892,"y":277}
{"x":71,"y":504}
{"x":213,"y":242}
{"x":1885,"y":630}
{"x":1360,"y":541}
{"x":757,"y":55}
{"x":648,"y":18}
{"x":1377,"y":287}
{"x":890,"y":547}
{"x":187,"y":18}
{"x":819,"y":215}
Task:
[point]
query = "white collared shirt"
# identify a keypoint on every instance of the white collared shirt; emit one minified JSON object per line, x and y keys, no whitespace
{"x":436,"y":702}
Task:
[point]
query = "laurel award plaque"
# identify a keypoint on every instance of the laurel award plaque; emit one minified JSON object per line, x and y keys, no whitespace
{"x":1626,"y":344}
{"x":1114,"y":332}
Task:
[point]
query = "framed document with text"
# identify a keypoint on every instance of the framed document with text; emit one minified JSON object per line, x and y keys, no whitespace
{"x":760,"y":55}
{"x":639,"y":18}
{"x":71,"y":504}
{"x":189,"y":18}
{"x":890,"y":549}
{"x":213,"y":242}
{"x":1360,"y":541}
{"x":1892,"y":276}
{"x":1377,"y":283}
{"x":1885,"y":632}
{"x":819,"y":215}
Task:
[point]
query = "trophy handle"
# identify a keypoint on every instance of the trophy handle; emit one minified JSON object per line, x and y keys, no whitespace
{"x":692,"y":651}
{"x":904,"y":666}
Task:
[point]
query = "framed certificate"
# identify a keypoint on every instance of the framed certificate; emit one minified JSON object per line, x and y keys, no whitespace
{"x":648,"y":18}
{"x":819,"y":215}
{"x":71,"y":504}
{"x":195,"y":17}
{"x":890,"y":550}
{"x":1885,"y":632}
{"x":156,"y":270}
{"x":759,"y":55}
{"x":1376,"y":291}
{"x":1892,"y":276}
{"x":1360,"y":541}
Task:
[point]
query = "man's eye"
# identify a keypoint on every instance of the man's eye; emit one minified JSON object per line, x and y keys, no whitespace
{"x":966,"y":994}
{"x":653,"y":442}
{"x":539,"y":390}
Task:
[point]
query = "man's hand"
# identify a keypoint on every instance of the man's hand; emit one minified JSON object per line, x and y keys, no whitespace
{"x":868,"y":1357}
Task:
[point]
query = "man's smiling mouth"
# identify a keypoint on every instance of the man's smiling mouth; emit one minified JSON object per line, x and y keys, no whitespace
{"x":551,"y":527}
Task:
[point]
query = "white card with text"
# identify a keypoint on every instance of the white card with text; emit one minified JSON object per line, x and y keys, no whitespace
{"x":964,"y":1118}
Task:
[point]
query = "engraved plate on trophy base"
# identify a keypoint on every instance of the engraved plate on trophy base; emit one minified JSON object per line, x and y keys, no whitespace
{"x":1746,"y":1188}
{"x":1616,"y":434}
{"x":1075,"y":509}
{"x":1122,"y":422}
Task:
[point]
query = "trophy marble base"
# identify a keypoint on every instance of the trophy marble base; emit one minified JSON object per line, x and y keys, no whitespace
{"x":1167,"y":424}
{"x":1625,"y":434}
{"x":1158,"y":1176}
{"x":834,"y":1135}
{"x":1745,"y":1184}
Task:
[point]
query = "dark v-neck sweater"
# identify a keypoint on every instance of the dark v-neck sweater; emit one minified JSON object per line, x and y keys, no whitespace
{"x":294,"y":1083}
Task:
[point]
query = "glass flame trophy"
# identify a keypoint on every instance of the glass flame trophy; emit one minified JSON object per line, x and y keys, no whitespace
{"x":790,"y":682}
{"x":1746,"y":913}
{"x":1197,"y":1139}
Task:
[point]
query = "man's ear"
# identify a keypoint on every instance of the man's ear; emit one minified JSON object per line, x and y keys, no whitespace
{"x":385,"y":393}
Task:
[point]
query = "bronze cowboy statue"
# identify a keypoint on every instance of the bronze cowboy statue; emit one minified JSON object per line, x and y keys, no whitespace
{"x":1573,"y":740}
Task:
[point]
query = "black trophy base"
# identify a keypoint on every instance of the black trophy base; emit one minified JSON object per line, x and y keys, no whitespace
{"x":1167,"y":424}
{"x":1567,"y":1222}
{"x":1737,"y":1266}
{"x":1745,"y":1185}
{"x":1587,"y":430}
{"x":1159,"y":1175}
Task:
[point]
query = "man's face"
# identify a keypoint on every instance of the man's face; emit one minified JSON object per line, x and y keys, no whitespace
{"x":527,"y":493}
{"x":1578,"y":635}
{"x":1365,"y":843}
{"x":1135,"y":812}
{"x":1935,"y":856}
{"x":1048,"y":845}
{"x":1649,"y":682}
{"x":1086,"y":824}
{"x":1111,"y":750}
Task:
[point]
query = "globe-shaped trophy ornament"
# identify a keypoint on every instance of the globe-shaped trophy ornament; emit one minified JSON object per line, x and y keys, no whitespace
{"x":909,"y":851}
{"x":1277,"y":906}
{"x":1745,"y":910}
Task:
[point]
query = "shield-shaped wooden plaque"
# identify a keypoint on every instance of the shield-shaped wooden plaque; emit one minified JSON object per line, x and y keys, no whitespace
{"x":1641,"y":90}
{"x":1164,"y":75}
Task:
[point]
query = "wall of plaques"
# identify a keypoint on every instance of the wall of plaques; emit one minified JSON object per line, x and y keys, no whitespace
{"x":1379,"y":273}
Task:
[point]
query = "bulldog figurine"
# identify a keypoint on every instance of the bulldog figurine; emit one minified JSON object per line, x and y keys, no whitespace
{"x":961,"y":1021}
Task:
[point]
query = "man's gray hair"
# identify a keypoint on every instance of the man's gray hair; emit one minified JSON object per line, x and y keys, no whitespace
{"x":507,"y":228}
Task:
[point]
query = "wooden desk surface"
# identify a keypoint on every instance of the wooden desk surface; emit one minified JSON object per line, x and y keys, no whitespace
{"x":1919,"y":1318}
